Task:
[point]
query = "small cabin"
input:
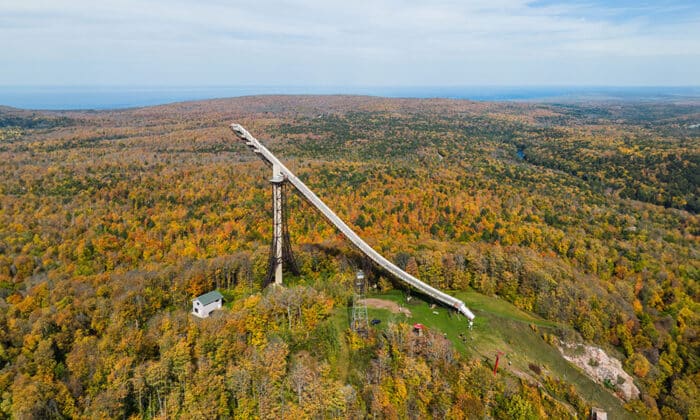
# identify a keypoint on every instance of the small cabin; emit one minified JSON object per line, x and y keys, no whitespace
{"x":203,"y":305}
{"x":598,"y":414}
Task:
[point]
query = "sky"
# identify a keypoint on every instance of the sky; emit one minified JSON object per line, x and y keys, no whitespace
{"x":350,"y":43}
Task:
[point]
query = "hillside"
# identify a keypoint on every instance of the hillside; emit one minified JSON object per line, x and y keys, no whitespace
{"x":570,"y":221}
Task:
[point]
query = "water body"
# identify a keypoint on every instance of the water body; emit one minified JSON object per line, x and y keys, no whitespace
{"x":115,"y":97}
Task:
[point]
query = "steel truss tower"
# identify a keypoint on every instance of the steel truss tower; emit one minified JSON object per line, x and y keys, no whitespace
{"x":360,"y":322}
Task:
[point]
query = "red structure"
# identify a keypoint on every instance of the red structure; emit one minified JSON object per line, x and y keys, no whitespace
{"x":495,"y":366}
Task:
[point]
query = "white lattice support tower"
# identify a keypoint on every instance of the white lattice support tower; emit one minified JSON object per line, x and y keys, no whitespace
{"x":360,"y":319}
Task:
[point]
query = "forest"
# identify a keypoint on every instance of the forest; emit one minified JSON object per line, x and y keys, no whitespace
{"x":111,"y":222}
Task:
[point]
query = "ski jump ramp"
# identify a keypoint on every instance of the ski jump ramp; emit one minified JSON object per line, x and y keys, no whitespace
{"x":279,"y":168}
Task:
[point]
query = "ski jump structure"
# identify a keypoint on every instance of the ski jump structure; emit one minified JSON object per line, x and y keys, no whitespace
{"x":281,"y":250}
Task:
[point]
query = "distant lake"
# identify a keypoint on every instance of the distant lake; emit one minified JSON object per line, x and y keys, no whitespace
{"x":86,"y":97}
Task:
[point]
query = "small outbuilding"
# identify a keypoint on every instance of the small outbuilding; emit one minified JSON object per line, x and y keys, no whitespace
{"x":598,"y":414}
{"x":203,"y":305}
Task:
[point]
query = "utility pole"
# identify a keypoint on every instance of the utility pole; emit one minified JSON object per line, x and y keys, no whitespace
{"x":495,"y":366}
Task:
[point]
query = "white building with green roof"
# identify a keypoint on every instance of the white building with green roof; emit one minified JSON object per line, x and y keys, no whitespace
{"x":203,"y":305}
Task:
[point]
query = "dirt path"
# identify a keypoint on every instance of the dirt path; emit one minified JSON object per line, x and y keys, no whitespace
{"x":386,"y":304}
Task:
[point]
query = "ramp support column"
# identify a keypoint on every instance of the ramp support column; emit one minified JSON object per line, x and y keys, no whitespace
{"x":277,"y":224}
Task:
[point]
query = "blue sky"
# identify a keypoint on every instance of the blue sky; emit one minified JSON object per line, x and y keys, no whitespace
{"x":350,"y":43}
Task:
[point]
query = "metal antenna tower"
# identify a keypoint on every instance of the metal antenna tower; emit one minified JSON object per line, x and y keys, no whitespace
{"x":360,"y":322}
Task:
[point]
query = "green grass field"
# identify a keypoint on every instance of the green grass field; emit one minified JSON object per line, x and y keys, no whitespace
{"x":499,"y":326}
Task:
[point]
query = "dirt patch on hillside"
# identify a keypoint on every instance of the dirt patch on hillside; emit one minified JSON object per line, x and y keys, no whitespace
{"x":602,"y":368}
{"x":386,"y":304}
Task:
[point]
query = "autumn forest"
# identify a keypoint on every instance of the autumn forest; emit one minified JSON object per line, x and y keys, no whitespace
{"x":583,"y":216}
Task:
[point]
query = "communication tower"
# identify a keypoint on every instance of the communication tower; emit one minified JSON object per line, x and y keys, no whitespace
{"x":360,"y":322}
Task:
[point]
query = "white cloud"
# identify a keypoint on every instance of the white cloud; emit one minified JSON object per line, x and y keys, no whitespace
{"x":330,"y":42}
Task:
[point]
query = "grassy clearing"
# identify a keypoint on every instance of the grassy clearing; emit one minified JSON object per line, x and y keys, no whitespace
{"x":499,"y":326}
